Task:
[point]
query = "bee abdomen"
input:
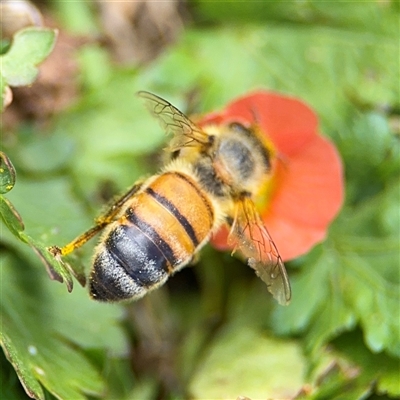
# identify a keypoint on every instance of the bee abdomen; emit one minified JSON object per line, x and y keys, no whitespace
{"x":128,"y":265}
{"x":161,"y":229}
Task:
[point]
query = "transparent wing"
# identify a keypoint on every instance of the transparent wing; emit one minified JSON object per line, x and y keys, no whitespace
{"x":249,"y":235}
{"x":186,"y":133}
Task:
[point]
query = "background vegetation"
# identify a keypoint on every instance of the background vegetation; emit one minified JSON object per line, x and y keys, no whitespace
{"x":79,"y":135}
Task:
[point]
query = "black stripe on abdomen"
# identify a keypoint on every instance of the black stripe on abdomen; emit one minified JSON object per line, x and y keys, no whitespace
{"x":199,"y":192}
{"x":149,"y":232}
{"x":109,"y":280}
{"x":138,"y":254}
{"x":176,"y":213}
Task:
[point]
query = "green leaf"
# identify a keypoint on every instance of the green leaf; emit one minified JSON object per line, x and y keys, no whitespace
{"x":45,"y":344}
{"x":243,"y":361}
{"x":11,"y":217}
{"x":56,"y":269}
{"x":385,"y":377}
{"x":371,"y":154}
{"x":347,"y":366}
{"x":324,"y":314}
{"x":334,"y":375}
{"x":30,"y":47}
{"x":27,"y":378}
{"x":375,"y":299}
{"x":37,"y":214}
{"x":10,"y":387}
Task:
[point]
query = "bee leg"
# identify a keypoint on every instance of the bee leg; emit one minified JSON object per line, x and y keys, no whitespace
{"x":115,"y":208}
{"x":100,"y":223}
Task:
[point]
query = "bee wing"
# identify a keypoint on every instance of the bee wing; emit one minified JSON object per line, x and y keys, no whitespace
{"x":249,"y":235}
{"x":186,"y":133}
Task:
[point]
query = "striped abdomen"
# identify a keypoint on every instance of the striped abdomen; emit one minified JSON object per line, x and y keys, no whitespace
{"x":158,"y":234}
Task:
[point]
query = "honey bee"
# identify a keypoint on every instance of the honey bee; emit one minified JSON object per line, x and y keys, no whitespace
{"x":161,"y":223}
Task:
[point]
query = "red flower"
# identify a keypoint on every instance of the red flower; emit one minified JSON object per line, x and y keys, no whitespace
{"x":306,"y":189}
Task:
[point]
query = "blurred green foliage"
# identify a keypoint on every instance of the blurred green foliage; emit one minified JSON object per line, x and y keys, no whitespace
{"x":223,"y":336}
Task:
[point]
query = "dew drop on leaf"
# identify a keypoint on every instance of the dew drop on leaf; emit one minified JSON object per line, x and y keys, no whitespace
{"x":7,"y":174}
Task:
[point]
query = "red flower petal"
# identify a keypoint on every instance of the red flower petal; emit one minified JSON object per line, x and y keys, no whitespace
{"x":309,"y":186}
{"x":308,"y":196}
